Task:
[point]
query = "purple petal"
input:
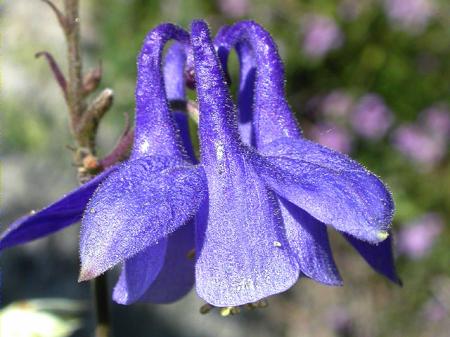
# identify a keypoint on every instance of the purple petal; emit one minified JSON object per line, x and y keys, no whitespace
{"x":257,"y":51}
{"x":308,"y":239}
{"x":173,"y":70}
{"x":174,"y":81}
{"x":182,"y":122}
{"x":379,"y":256}
{"x":176,"y":278}
{"x":243,"y":253}
{"x":138,"y":205}
{"x":54,"y":217}
{"x":154,"y":131}
{"x":330,"y":186}
{"x":218,"y":132}
{"x":139,"y":272}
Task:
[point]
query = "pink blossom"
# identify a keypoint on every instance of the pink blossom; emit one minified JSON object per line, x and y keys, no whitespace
{"x":416,"y":238}
{"x":437,"y":120}
{"x":234,"y":8}
{"x":337,"y":104}
{"x":410,"y":15}
{"x":419,"y":145}
{"x":321,"y":35}
{"x":371,"y":118}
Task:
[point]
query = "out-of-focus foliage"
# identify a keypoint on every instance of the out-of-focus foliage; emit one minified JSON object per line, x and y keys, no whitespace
{"x":368,"y":77}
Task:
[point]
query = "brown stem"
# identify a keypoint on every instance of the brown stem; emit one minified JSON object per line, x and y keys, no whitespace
{"x":83,"y":122}
{"x":76,"y":102}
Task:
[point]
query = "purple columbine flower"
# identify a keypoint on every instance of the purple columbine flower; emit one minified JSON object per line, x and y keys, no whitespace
{"x":321,"y":35}
{"x":259,"y":211}
{"x":371,"y":118}
{"x":301,"y":175}
{"x":416,"y":238}
{"x":332,"y":136}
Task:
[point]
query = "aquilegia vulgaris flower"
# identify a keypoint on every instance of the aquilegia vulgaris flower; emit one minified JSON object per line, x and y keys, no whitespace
{"x":256,"y":205}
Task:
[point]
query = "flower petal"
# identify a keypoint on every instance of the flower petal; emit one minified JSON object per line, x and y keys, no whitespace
{"x":243,"y":253}
{"x":154,"y":130}
{"x":263,"y":92}
{"x":176,"y":278}
{"x":330,"y":186}
{"x":140,"y":204}
{"x":54,"y":217}
{"x":139,"y":272}
{"x":174,"y":82}
{"x":379,"y":256}
{"x":308,"y":239}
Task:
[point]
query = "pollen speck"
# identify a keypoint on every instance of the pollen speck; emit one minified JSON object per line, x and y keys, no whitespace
{"x":382,"y":235}
{"x":277,"y":244}
{"x":224,"y":312}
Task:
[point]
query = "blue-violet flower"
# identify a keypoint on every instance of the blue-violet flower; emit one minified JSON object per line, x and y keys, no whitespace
{"x":255,"y":207}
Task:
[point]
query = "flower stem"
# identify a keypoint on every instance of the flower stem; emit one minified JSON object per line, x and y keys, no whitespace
{"x":84,"y":120}
{"x":100,"y":290}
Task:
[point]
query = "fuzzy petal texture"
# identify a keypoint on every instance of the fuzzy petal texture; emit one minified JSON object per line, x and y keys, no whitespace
{"x":139,"y":272}
{"x":244,"y":255}
{"x":308,"y":239}
{"x":176,"y":278}
{"x":140,"y":204}
{"x":155,"y":132}
{"x":62,"y":213}
{"x":379,"y":256}
{"x":262,"y":84}
{"x":330,"y":186}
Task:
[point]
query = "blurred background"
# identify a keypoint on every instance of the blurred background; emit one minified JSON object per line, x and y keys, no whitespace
{"x":370,"y":78}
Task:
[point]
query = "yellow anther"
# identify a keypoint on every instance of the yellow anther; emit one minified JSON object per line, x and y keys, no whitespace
{"x":224,"y":312}
{"x":382,"y":235}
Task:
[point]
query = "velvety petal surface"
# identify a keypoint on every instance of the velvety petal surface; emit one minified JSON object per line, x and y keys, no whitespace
{"x":139,"y":272}
{"x":155,"y":132}
{"x":379,"y":256}
{"x":262,"y":85}
{"x":174,"y":81}
{"x":176,"y":278}
{"x":308,"y":239}
{"x":58,"y":215}
{"x":138,"y":205}
{"x":244,"y":255}
{"x":330,"y":186}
